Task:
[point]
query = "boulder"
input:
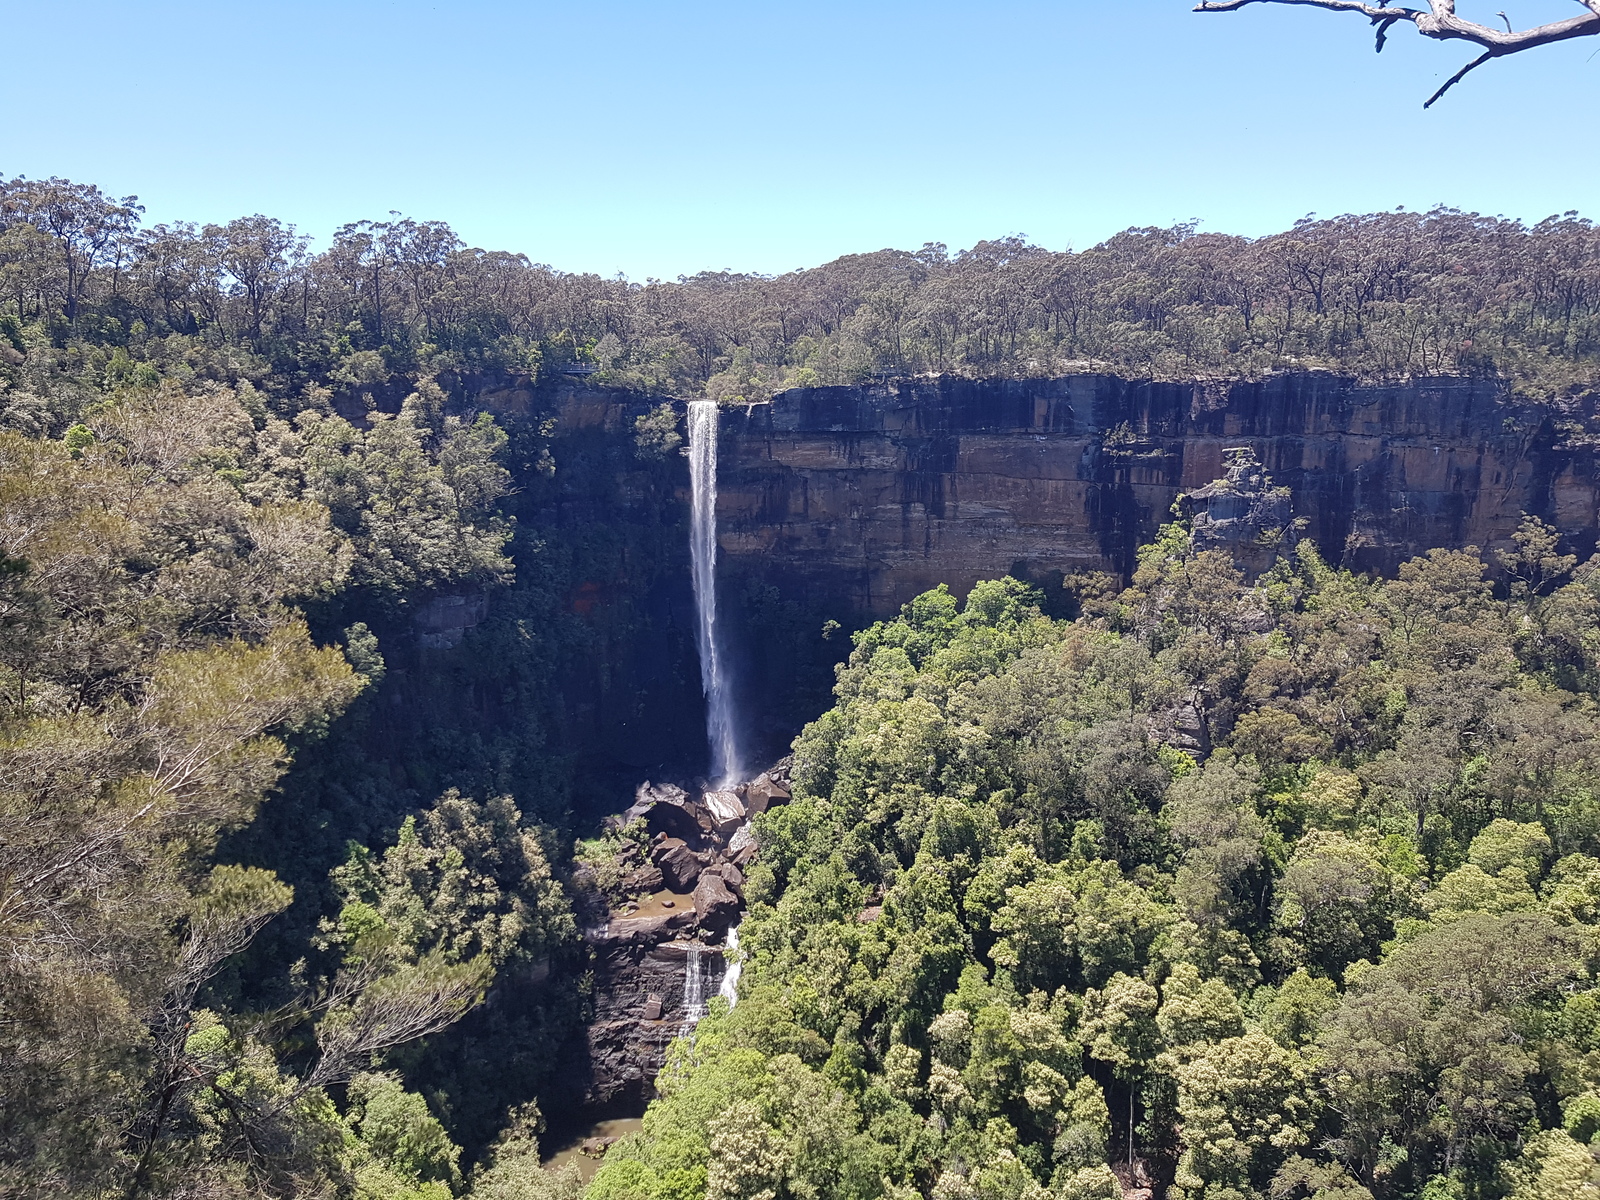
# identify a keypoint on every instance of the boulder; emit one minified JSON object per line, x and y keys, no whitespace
{"x":730,"y":875}
{"x":725,"y":809}
{"x":647,"y":878}
{"x":666,"y":808}
{"x":652,"y":1008}
{"x":762,"y":792}
{"x":715,"y":906}
{"x":742,"y":848}
{"x":679,"y":867}
{"x":643,"y":931}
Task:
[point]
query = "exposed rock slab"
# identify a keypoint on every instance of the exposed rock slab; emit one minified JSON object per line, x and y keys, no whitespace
{"x":726,"y":810}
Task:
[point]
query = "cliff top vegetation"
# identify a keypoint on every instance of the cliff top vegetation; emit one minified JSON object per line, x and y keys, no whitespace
{"x":89,"y":294}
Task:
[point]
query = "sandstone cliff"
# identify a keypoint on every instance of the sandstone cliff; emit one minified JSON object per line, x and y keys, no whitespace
{"x":842,"y":503}
{"x":869,"y":495}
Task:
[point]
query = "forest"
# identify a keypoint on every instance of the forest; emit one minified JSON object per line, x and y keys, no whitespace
{"x":1283,"y":887}
{"x":1378,"y":295}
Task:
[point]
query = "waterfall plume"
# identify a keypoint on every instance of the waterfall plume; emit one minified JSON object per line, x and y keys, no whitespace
{"x":725,"y":764}
{"x":729,"y":990}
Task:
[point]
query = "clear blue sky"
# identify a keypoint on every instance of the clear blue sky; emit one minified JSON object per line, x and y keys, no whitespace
{"x":663,"y":138}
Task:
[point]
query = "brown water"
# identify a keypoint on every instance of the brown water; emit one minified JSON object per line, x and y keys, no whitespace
{"x":654,"y":905}
{"x":570,"y":1150}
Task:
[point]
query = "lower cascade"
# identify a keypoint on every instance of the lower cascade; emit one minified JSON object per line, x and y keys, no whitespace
{"x":729,"y":990}
{"x":694,"y":990}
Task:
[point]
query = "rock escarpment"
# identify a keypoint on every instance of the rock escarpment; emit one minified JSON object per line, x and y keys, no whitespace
{"x":869,"y":495}
{"x":842,"y":503}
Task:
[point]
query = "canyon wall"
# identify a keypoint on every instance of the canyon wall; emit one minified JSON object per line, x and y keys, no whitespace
{"x":841,"y":503}
{"x":868,"y":495}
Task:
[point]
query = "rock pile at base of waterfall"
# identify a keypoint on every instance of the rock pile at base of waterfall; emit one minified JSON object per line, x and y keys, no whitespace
{"x":691,"y":875}
{"x":693,"y":835}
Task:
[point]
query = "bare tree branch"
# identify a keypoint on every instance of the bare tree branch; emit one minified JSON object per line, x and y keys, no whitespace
{"x":1440,"y":22}
{"x":1457,"y":78}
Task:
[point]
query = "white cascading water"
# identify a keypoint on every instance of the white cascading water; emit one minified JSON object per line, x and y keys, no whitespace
{"x":729,"y":990}
{"x":694,"y":991}
{"x":726,"y":769}
{"x":725,"y":765}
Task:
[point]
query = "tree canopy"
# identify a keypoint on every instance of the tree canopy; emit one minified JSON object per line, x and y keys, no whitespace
{"x":1021,"y":927}
{"x":88,"y":293}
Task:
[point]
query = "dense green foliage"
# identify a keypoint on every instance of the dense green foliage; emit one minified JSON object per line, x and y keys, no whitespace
{"x":1301,"y":877}
{"x":157,"y":677}
{"x":1381,"y":295}
{"x":1305,"y":873}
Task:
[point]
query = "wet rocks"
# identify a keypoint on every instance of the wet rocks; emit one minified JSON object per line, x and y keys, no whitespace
{"x":726,"y":810}
{"x":640,"y":1006}
{"x":647,"y":931}
{"x":699,"y":849}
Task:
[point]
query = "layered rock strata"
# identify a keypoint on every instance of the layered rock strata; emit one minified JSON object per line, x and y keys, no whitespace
{"x":869,"y":495}
{"x":842,"y":503}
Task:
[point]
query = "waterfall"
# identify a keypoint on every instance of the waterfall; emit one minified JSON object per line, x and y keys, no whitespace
{"x":725,"y":765}
{"x":726,"y":769}
{"x":729,"y":990}
{"x":694,"y":991}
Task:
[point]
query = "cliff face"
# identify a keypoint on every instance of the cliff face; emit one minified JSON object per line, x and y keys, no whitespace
{"x":866,"y":496}
{"x":842,"y":503}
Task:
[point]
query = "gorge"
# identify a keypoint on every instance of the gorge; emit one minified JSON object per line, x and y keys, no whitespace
{"x":846,"y":502}
{"x":1122,"y":724}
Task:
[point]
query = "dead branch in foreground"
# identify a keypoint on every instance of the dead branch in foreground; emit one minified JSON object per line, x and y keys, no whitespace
{"x":1439,"y":21}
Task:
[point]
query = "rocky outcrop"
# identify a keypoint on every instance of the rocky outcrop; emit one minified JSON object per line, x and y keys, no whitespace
{"x":639,"y":1008}
{"x":644,"y":952}
{"x":442,"y":622}
{"x":1242,"y":513}
{"x":715,"y":907}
